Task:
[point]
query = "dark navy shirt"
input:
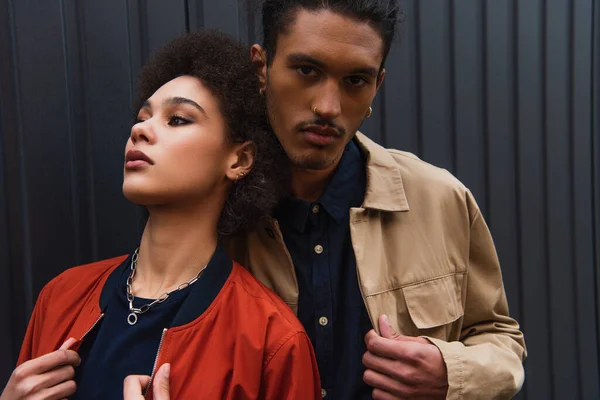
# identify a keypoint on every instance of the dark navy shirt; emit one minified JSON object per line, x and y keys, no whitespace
{"x":330,"y":305}
{"x":114,"y":349}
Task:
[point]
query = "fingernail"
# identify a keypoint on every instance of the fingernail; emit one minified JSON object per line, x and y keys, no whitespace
{"x":386,"y":320}
{"x":167,"y":370}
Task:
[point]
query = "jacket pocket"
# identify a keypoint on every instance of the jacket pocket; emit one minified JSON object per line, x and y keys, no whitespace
{"x":435,"y":303}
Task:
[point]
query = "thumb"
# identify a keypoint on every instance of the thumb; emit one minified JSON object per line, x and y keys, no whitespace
{"x":389,"y":333}
{"x":160,"y":387}
{"x":386,"y":328}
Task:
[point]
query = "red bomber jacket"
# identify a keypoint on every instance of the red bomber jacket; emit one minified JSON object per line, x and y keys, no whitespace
{"x":231,"y":339}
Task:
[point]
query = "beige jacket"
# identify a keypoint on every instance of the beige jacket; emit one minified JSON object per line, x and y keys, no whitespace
{"x":425,"y":258}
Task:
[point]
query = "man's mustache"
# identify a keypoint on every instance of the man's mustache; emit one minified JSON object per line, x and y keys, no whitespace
{"x":323,"y":123}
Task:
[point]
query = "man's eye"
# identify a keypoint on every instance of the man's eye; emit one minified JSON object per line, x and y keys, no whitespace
{"x":175,"y":121}
{"x":306,"y":70}
{"x":356,"y":81}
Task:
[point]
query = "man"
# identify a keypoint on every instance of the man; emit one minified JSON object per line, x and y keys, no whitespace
{"x":372,"y":238}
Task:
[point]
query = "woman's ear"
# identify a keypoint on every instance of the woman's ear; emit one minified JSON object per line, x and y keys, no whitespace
{"x":242,"y":161}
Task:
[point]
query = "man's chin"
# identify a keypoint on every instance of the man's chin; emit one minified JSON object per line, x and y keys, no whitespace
{"x":316,"y":162}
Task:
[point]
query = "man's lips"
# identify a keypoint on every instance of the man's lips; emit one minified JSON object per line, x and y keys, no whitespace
{"x":320,"y":135}
{"x":136,"y":159}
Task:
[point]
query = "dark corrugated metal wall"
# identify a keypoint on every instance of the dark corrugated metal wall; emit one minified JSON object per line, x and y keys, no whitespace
{"x":505,"y":94}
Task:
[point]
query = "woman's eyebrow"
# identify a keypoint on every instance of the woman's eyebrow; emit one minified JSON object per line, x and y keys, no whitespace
{"x":182,"y":100}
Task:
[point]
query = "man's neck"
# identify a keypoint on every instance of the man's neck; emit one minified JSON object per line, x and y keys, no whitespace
{"x":175,"y":246}
{"x":309,"y":184}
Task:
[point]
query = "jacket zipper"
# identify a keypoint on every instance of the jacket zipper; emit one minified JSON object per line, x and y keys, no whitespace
{"x":149,"y":387}
{"x":92,"y":327}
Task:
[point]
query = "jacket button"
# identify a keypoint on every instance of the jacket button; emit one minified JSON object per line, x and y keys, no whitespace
{"x":323,"y":393}
{"x":316,"y":209}
{"x":323,"y":321}
{"x":318,"y":249}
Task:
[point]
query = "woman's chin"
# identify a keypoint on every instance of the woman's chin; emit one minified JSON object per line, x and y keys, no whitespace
{"x":141,"y":197}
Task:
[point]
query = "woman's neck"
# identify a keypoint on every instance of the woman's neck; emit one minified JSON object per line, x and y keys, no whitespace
{"x":175,"y":246}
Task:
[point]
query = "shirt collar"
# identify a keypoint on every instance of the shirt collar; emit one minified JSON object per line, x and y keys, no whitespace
{"x":347,"y":178}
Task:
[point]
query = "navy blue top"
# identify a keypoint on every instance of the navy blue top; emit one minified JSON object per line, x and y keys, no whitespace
{"x":330,"y":305}
{"x":114,"y":349}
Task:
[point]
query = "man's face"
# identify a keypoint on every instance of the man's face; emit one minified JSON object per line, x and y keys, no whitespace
{"x":320,"y":85}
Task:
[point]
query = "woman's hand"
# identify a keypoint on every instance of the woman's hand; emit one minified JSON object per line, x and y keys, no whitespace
{"x":49,"y":377}
{"x":135,"y":384}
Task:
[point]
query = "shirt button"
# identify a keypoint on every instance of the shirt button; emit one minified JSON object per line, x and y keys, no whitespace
{"x":323,"y":393}
{"x":318,"y":249}
{"x":315,"y":209}
{"x":323,"y":321}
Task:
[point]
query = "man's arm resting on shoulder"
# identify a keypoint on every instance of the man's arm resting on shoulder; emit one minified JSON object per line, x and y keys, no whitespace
{"x":487,"y":361}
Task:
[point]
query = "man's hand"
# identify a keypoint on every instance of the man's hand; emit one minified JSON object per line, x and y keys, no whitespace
{"x":403,"y":367}
{"x":134,"y":385}
{"x":49,"y":377}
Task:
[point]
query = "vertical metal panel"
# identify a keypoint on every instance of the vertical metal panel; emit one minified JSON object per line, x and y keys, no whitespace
{"x":433,"y":25}
{"x":44,"y":158}
{"x":401,"y":86}
{"x":7,"y":347}
{"x":501,"y":141}
{"x":558,"y":160}
{"x":596,"y":158}
{"x":535,"y":319}
{"x":467,"y":43}
{"x":107,"y":71}
{"x":229,"y":16}
{"x":12,"y":245}
{"x":582,"y":185}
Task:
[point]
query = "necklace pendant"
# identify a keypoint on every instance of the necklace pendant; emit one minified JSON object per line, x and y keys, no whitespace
{"x":132,"y":318}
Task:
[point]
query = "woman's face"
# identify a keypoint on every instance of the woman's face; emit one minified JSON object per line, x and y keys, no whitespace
{"x":178,"y":151}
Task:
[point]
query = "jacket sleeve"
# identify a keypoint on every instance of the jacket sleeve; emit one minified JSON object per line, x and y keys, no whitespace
{"x":292,"y":371}
{"x":30,"y":342}
{"x":487,"y":361}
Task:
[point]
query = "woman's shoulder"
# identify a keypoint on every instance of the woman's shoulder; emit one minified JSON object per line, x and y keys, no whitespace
{"x":263,"y":303}
{"x":83,"y":277}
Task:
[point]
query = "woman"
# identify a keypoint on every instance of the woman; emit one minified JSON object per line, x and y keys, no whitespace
{"x":200,"y":160}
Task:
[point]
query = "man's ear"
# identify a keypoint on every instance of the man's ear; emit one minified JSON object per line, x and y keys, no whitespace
{"x":380,"y":78}
{"x":258,"y":58}
{"x":242,"y":161}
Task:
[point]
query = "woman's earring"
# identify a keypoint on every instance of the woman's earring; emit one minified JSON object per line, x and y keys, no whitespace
{"x":240,"y":176}
{"x":369,"y":113}
{"x":262,"y":91}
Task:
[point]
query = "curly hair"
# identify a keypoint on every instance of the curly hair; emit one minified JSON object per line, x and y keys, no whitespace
{"x":222,"y":64}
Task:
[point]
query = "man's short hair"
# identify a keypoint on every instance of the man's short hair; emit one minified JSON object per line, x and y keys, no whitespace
{"x":278,"y":15}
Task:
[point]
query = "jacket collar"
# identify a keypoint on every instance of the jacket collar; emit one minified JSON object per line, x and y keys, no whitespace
{"x":202,"y":293}
{"x":385,"y":190}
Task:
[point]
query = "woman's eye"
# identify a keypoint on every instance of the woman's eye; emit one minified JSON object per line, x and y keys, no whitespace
{"x":175,"y":121}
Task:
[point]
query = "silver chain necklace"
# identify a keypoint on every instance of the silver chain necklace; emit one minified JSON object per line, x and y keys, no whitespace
{"x":132,"y":318}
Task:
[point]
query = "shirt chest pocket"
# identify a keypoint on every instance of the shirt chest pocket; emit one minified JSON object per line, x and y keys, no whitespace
{"x":432,"y":308}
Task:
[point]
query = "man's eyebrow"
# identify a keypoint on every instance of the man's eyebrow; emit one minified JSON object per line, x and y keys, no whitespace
{"x":305,"y":58}
{"x":173,"y":101}
{"x":373,"y":72}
